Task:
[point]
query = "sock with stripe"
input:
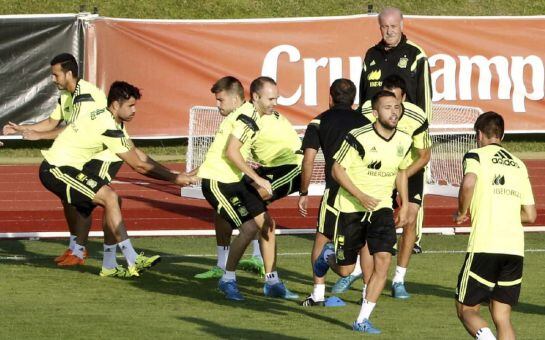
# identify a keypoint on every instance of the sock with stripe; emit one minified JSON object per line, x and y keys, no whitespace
{"x":366,"y":310}
{"x":485,"y":334}
{"x":223,"y":253}
{"x":72,"y":242}
{"x":128,"y":251}
{"x":78,"y":250}
{"x":109,"y":260}
{"x":272,"y":278}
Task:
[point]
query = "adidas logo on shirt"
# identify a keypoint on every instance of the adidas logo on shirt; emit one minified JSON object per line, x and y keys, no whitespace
{"x":373,"y":149}
{"x":504,"y":158}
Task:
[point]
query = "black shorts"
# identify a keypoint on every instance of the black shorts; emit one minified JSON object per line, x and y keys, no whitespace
{"x":381,"y":231}
{"x":416,"y":189}
{"x":104,"y":169}
{"x":327,"y":214}
{"x":76,"y":187}
{"x":235,"y":202}
{"x":349,"y":237}
{"x":486,"y":276}
{"x":285,"y":179}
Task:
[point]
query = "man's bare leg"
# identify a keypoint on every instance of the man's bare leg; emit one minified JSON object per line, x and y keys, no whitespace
{"x":472,"y":320}
{"x":405,"y":249}
{"x":501,"y":315}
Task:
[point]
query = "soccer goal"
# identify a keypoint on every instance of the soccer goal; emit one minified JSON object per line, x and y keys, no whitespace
{"x":452,"y":135}
{"x":451,"y":132}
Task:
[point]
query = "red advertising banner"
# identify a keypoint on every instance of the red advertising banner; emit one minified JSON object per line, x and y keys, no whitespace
{"x":495,"y":63}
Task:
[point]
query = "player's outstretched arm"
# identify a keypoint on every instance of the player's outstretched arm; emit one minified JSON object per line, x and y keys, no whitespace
{"x":464,"y":197}
{"x":339,"y":174}
{"x":232,"y":151}
{"x":306,"y":173}
{"x":33,"y":131}
{"x":39,"y":135}
{"x":152,"y":169}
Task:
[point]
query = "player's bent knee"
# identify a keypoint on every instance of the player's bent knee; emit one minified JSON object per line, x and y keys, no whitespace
{"x":106,"y":196}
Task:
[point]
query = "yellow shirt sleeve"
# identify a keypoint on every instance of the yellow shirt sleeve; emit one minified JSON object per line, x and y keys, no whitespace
{"x":346,"y":155}
{"x":244,"y":128}
{"x":57,"y":113}
{"x":471,"y":163}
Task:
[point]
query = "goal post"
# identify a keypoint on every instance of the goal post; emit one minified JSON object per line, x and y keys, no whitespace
{"x":451,"y":132}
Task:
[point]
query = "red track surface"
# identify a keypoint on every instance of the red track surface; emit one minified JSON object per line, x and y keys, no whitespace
{"x":153,"y":205}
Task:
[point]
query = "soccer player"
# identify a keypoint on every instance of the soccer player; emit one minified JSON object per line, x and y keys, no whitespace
{"x":326,"y":132}
{"x":240,"y":204}
{"x":414,"y":122}
{"x":368,"y":165}
{"x":74,"y":92}
{"x":276,"y":149}
{"x":229,"y":94}
{"x":395,"y":54}
{"x":497,"y":192}
{"x":62,"y":171}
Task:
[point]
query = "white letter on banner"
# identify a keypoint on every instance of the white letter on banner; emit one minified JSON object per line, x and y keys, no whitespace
{"x":449,"y":77}
{"x":356,"y":64}
{"x":335,"y":69}
{"x":485,"y":76}
{"x":270,"y":69}
{"x":311,"y":68}
{"x":519,"y":89}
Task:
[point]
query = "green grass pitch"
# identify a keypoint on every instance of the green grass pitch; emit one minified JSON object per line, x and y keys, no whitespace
{"x":41,"y":301}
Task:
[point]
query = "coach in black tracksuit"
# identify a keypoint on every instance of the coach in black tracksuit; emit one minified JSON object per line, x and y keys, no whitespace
{"x":394,"y":54}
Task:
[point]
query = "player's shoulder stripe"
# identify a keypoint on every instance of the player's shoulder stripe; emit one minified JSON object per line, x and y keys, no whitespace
{"x":353,"y":142}
{"x":361,"y":130}
{"x":248,"y":121}
{"x":409,"y":42}
{"x":114,"y":133}
{"x":414,"y":112}
{"x":84,"y":97}
{"x":472,"y":155}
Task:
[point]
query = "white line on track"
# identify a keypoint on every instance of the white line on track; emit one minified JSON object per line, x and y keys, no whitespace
{"x":30,"y":258}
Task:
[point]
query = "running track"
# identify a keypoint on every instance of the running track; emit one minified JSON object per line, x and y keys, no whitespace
{"x":153,"y":205}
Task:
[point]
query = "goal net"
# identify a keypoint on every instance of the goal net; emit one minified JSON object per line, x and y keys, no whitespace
{"x":452,"y":135}
{"x":451,"y":132}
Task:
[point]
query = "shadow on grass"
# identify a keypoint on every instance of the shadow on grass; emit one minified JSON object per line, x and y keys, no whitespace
{"x":223,"y":331}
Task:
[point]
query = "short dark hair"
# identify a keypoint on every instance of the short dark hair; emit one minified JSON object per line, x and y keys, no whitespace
{"x":228,"y":84}
{"x":394,"y":81}
{"x":343,"y":91}
{"x":121,"y":91}
{"x":491,"y":124}
{"x":68,"y":63}
{"x":258,"y":83}
{"x":378,"y":95}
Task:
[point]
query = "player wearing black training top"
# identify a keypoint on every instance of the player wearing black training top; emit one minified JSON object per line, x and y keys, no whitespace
{"x":326,"y":132}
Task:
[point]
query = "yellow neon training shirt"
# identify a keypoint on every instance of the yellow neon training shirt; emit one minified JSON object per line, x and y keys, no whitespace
{"x":69,"y":106}
{"x":501,"y":189}
{"x":372,"y":163}
{"x":85,"y":137}
{"x":241,"y":124}
{"x":413,"y":121}
{"x":277,"y":142}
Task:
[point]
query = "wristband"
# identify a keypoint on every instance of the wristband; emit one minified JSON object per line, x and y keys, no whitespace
{"x":303,"y":193}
